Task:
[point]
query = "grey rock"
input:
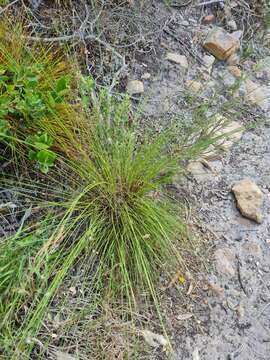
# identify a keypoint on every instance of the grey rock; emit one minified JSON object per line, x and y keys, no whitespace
{"x":146,"y":76}
{"x":233,"y":59}
{"x":237,"y":34}
{"x":177,"y":59}
{"x":264,"y":66}
{"x":198,"y":170}
{"x":227,"y":78}
{"x":208,"y":61}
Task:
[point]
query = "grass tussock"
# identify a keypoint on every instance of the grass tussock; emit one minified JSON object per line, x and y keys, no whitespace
{"x":103,"y":201}
{"x":122,"y":231}
{"x":112,"y":213}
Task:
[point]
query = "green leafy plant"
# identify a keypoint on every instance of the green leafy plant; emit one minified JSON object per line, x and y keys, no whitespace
{"x":40,"y":151}
{"x":34,"y":90}
{"x":61,"y":88}
{"x":22,"y":97}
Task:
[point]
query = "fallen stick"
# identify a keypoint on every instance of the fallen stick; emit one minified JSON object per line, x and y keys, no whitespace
{"x":209,"y":2}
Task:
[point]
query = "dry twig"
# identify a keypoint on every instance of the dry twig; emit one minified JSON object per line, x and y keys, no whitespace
{"x":209,"y":2}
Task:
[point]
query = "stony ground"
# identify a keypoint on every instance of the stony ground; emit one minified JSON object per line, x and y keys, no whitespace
{"x":235,"y":308}
{"x":233,"y":314}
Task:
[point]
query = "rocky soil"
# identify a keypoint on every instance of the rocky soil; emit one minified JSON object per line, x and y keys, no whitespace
{"x":235,"y":307}
{"x":230,"y":194}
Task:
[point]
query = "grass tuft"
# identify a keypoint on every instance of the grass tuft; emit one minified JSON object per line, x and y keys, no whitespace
{"x":104,"y":200}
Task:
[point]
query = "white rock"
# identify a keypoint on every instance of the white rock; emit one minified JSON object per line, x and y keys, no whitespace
{"x":184,"y":23}
{"x":234,"y":4}
{"x":135,"y":87}
{"x":224,"y":260}
{"x":194,"y":85}
{"x":208,"y":61}
{"x":249,"y":199}
{"x":146,"y":76}
{"x":230,"y":134}
{"x":240,"y":310}
{"x":232,"y":25}
{"x":195,"y":354}
{"x":183,"y":317}
{"x":177,"y":59}
{"x":153,"y":339}
{"x":63,"y":356}
{"x":226,"y":135}
{"x":257,"y":94}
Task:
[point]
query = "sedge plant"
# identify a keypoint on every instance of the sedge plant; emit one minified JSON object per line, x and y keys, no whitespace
{"x":109,"y":207}
{"x":112,"y":213}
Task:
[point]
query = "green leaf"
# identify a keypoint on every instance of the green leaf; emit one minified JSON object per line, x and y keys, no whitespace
{"x":43,"y":141}
{"x":4,"y":100}
{"x":2,"y":70}
{"x":31,"y":155}
{"x":51,"y":101}
{"x":3,"y":112}
{"x":3,"y":78}
{"x":40,"y":146}
{"x":46,"y":139}
{"x":44,"y":168}
{"x":46,"y":157}
{"x":10,"y":88}
{"x":62,"y":84}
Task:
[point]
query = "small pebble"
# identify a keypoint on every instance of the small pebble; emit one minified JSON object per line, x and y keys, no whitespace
{"x":208,"y":19}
